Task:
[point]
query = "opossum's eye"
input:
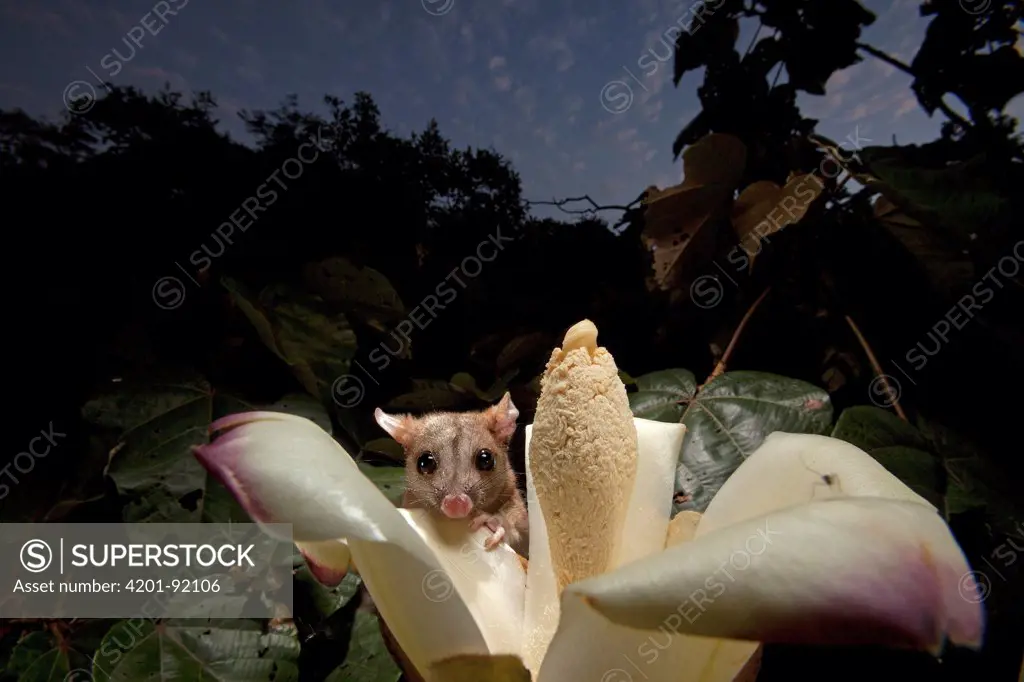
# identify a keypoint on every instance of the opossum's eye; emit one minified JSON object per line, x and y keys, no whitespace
{"x":485,"y":460}
{"x":426,"y":464}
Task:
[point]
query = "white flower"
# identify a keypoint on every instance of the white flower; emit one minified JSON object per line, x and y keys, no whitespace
{"x":780,"y":555}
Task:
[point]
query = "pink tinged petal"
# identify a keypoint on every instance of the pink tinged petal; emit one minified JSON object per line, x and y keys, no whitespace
{"x":328,"y":561}
{"x":286,"y":469}
{"x":241,"y":418}
{"x":841,"y":571}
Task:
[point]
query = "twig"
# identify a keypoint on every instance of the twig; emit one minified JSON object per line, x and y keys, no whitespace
{"x":595,"y":207}
{"x":892,"y":61}
{"x":720,"y":367}
{"x":878,"y":369}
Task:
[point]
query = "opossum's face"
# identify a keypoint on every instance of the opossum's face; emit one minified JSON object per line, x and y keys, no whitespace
{"x":457,"y":462}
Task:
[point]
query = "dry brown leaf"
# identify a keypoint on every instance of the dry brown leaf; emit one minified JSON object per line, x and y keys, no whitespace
{"x":470,"y":668}
{"x":763,"y":208}
{"x":716,"y":158}
{"x":712,"y":167}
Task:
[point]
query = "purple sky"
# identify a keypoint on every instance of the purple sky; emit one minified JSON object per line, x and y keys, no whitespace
{"x":523,"y":76}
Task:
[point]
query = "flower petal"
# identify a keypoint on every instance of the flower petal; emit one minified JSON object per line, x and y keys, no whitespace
{"x":840,"y":571}
{"x":617,"y":653}
{"x":789,"y":469}
{"x":503,"y":668}
{"x":590,"y":647}
{"x":419,"y":571}
{"x":650,"y":502}
{"x":541,"y":613}
{"x":492,"y":583}
{"x":682,"y":528}
{"x":712,"y":659}
{"x":328,"y":561}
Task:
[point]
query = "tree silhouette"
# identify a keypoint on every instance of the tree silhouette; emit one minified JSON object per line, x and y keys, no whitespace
{"x":306,"y":256}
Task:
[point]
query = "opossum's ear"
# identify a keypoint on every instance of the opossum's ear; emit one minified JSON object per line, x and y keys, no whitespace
{"x":502,"y":418}
{"x":398,"y":426}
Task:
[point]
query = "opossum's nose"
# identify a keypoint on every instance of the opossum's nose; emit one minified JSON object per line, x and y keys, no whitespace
{"x":457,"y":506}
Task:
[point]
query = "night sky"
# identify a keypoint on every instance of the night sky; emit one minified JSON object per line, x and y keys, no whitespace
{"x":529,"y":78}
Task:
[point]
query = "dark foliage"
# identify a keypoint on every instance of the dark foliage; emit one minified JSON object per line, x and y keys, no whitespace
{"x":151,"y":249}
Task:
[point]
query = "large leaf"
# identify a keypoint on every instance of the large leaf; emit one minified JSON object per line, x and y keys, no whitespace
{"x":368,"y":659}
{"x":896,"y":445}
{"x":152,"y":463}
{"x":525,"y":349}
{"x":390,"y":479}
{"x":663,"y":396}
{"x":946,"y":267}
{"x":763,"y":208}
{"x":432,"y":395}
{"x":465,"y":382}
{"x":59,"y":654}
{"x":388,"y":447}
{"x":677,"y":218}
{"x":317,"y":343}
{"x":726,"y":421}
{"x":361,"y":291}
{"x":218,"y":651}
{"x":961,"y":198}
{"x":322,"y":599}
{"x":474,"y":668}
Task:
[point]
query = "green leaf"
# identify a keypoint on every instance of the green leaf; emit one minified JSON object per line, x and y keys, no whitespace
{"x":961,"y":198}
{"x":388,"y":447}
{"x":218,"y":650}
{"x":973,"y":483}
{"x":464,"y":381}
{"x":920,"y":470}
{"x":535,"y":347}
{"x":45,"y":656}
{"x":944,"y":263}
{"x":316,"y":343}
{"x":473,"y":668}
{"x":430,"y":394}
{"x":871,"y":428}
{"x":361,"y":291}
{"x":390,"y":479}
{"x":950,"y":475}
{"x":662,"y":396}
{"x":726,"y":421}
{"x":368,"y":659}
{"x":324,"y":600}
{"x":152,"y":463}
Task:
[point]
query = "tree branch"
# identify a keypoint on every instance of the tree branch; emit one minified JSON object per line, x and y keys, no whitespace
{"x":720,"y":367}
{"x":892,"y":61}
{"x":882,"y":377}
{"x":594,"y":206}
